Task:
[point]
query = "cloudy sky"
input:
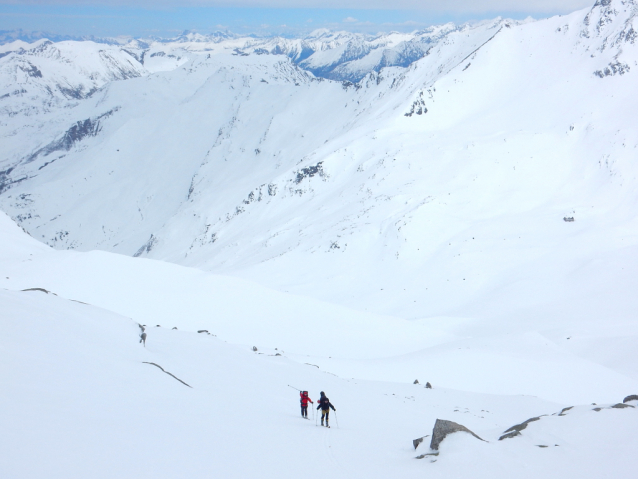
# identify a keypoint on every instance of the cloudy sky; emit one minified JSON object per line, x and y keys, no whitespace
{"x":169,"y":17}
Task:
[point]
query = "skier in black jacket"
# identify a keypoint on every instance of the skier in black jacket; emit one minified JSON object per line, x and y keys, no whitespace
{"x":324,"y":405}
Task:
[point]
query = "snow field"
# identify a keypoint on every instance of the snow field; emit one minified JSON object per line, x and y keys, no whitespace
{"x":315,"y":220}
{"x":84,"y":403}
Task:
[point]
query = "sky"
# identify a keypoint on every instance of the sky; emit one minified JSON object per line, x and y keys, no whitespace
{"x":165,"y":18}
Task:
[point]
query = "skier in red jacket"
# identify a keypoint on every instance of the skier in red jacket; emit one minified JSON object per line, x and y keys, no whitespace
{"x":304,"y":403}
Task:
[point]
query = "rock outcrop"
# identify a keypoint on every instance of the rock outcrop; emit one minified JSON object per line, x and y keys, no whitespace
{"x":516,"y":429}
{"x":443,"y":428}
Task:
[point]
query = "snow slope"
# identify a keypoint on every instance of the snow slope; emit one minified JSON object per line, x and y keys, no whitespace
{"x":250,"y":166}
{"x":85,"y":398}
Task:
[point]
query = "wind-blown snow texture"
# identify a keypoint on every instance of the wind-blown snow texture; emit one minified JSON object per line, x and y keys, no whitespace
{"x":380,"y":208}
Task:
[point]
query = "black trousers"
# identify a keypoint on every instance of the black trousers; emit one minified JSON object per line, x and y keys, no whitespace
{"x":304,"y":411}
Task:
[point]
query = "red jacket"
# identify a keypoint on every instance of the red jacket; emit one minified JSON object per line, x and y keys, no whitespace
{"x":304,"y":399}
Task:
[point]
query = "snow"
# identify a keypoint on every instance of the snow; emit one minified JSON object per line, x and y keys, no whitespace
{"x":80,"y":389}
{"x":358,"y":241}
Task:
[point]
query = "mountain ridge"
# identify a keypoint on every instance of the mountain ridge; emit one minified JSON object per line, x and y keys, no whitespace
{"x":248,"y":164}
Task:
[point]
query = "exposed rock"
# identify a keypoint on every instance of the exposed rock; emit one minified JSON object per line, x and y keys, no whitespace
{"x":146,"y":247}
{"x":254,"y":348}
{"x":170,"y":374}
{"x":621,"y":405}
{"x":509,"y":435}
{"x":633,"y":397}
{"x":516,"y":429}
{"x":523,"y":425}
{"x":428,"y":386}
{"x":416,"y":381}
{"x":443,"y":428}
{"x":427,"y":454}
{"x":565,"y":409}
{"x":613,"y":69}
{"x":202,"y":331}
{"x":416,"y":442}
{"x":39,"y":289}
{"x":79,"y":131}
{"x":310,"y":171}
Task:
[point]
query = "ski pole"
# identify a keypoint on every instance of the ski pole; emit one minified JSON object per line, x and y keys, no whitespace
{"x":294,"y":388}
{"x":337,"y":418}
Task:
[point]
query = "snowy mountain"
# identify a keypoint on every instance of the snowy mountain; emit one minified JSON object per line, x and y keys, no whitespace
{"x":463,"y":215}
{"x":247,"y":164}
{"x":72,"y":71}
{"x":345,"y":56}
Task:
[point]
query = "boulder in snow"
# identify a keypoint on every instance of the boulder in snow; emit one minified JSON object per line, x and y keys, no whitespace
{"x":443,"y":428}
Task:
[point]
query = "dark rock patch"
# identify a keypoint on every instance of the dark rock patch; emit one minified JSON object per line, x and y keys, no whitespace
{"x":427,"y":454}
{"x":76,"y":133}
{"x":170,"y":374}
{"x":39,"y":289}
{"x":565,"y":409}
{"x":443,"y":428}
{"x":621,"y":405}
{"x":416,"y":442}
{"x":522,"y":426}
{"x":146,"y":247}
{"x":509,"y":435}
{"x":516,"y":429}
{"x":310,"y":171}
{"x":633,"y":397}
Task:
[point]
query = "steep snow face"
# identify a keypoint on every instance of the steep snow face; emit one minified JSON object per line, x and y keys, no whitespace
{"x":439,"y":189}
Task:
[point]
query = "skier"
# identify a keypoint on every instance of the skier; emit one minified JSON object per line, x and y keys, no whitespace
{"x":304,"y":403}
{"x":324,"y":405}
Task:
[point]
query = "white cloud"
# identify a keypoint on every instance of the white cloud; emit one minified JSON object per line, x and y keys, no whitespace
{"x":349,"y":20}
